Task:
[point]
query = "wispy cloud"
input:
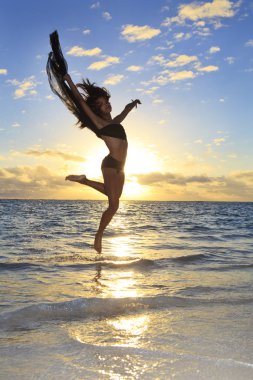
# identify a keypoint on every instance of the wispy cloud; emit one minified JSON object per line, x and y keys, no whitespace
{"x":219,"y":141}
{"x":15,"y":125}
{"x":114,"y":79}
{"x":78,"y":51}
{"x":171,"y":178}
{"x":235,"y":185}
{"x":249,"y":43}
{"x":175,"y":60}
{"x":171,"y":76}
{"x":230,"y":60}
{"x":134,"y":33}
{"x":107,"y":16}
{"x":182,"y":36}
{"x":209,"y":68}
{"x":95,"y":5}
{"x":199,"y":11}
{"x":214,"y":49}
{"x":29,"y":182}
{"x":134,"y":68}
{"x":54,"y":154}
{"x":26,"y":87}
{"x":181,"y":60}
{"x":108,"y":61}
{"x":3,"y":71}
{"x":86,"y":31}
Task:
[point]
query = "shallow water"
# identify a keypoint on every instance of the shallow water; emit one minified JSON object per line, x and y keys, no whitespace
{"x":170,"y":296}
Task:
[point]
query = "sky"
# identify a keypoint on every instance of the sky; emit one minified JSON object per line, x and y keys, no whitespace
{"x":190,"y":64}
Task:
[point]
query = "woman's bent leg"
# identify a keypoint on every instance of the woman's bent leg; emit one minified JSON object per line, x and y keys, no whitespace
{"x":83,"y":180}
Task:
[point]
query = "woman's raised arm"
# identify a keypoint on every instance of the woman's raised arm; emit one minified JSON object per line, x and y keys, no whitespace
{"x":94,"y":118}
{"x":126,"y":110}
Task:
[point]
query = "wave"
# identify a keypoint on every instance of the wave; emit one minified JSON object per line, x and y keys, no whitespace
{"x":19,"y":266}
{"x":192,"y":258}
{"x":232,"y":267}
{"x":81,"y":308}
{"x":81,"y":263}
{"x":66,"y":263}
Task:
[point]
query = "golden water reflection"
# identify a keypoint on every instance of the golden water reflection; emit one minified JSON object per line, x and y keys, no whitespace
{"x":123,"y":284}
{"x":129,"y":330}
{"x":121,"y":246}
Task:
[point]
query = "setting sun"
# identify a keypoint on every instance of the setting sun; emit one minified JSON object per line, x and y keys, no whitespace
{"x":141,"y":160}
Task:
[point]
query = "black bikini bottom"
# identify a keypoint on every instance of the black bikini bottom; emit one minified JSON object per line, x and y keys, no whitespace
{"x":110,"y":162}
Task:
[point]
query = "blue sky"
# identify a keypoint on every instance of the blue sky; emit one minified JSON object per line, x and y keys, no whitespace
{"x":190,"y":63}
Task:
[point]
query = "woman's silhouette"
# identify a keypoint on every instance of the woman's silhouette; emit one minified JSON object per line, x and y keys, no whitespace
{"x":92,"y":108}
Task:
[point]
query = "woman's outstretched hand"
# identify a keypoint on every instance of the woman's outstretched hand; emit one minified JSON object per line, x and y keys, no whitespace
{"x":135,"y":102}
{"x":131,"y":105}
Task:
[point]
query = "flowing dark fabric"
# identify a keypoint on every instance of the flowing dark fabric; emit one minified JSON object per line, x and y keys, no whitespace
{"x":57,"y":67}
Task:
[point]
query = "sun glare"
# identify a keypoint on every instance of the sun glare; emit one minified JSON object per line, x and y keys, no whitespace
{"x":140,"y":160}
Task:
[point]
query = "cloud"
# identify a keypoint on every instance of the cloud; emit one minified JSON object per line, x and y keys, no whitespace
{"x":151,"y":90}
{"x":107,"y":16}
{"x":108,"y":61}
{"x":218,"y":141}
{"x":29,"y":182}
{"x":15,"y":125}
{"x":181,"y":60}
{"x":247,"y":176}
{"x":134,"y":68}
{"x":114,"y":79}
{"x":95,"y":5}
{"x":216,"y":8}
{"x":3,"y":71}
{"x":175,"y":61}
{"x":208,"y":68}
{"x":86,"y":31}
{"x":235,"y":186}
{"x":171,"y":178}
{"x":54,"y":154}
{"x":160,"y":59}
{"x":249,"y":43}
{"x":214,"y":49}
{"x":27,"y":86}
{"x":133,"y":33}
{"x":157,"y":101}
{"x":170,"y":76}
{"x":230,"y":60}
{"x":182,"y":36}
{"x":199,"y":11}
{"x":50,"y":97}
{"x":181,"y":75}
{"x":78,"y":51}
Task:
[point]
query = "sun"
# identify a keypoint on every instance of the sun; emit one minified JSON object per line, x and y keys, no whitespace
{"x":142,"y":160}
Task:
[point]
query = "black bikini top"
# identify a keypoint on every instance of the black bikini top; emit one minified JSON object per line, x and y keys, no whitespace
{"x":113,"y":130}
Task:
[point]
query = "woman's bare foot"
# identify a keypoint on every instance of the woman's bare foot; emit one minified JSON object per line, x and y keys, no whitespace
{"x":98,"y":243}
{"x":77,"y":178}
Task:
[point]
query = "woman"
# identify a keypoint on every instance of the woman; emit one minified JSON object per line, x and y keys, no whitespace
{"x":93,"y":110}
{"x":95,"y":104}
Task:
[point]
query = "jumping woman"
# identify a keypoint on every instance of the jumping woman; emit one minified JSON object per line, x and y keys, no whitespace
{"x":92,"y":108}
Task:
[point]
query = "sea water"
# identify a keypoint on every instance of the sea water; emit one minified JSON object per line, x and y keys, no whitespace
{"x":170,"y":297}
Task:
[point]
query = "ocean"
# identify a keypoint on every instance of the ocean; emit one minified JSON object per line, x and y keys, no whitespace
{"x":170,"y":297}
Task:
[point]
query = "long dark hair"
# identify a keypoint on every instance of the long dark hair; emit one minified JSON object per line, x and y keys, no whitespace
{"x":56,"y":69}
{"x":91,"y":93}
